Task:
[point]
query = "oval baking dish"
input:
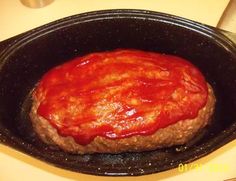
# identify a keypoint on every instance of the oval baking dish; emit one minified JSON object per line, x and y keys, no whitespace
{"x":26,"y":57}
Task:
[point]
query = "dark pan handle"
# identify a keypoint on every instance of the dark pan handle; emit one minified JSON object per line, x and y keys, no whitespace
{"x":6,"y":43}
{"x":230,"y":35}
{"x":3,"y":44}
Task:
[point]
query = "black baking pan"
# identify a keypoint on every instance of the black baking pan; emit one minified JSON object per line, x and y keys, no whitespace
{"x":26,"y":57}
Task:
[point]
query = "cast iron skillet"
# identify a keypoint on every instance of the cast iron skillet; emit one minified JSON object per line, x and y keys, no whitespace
{"x":25,"y":58}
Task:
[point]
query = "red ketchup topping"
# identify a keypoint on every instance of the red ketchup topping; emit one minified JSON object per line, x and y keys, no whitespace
{"x":119,"y":94}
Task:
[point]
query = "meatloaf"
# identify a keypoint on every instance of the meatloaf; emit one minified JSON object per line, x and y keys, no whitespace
{"x":121,"y":101}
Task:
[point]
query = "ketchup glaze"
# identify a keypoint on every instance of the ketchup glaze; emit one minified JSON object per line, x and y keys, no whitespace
{"x":119,"y":94}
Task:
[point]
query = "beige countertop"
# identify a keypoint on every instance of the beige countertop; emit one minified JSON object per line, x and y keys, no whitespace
{"x":16,"y":18}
